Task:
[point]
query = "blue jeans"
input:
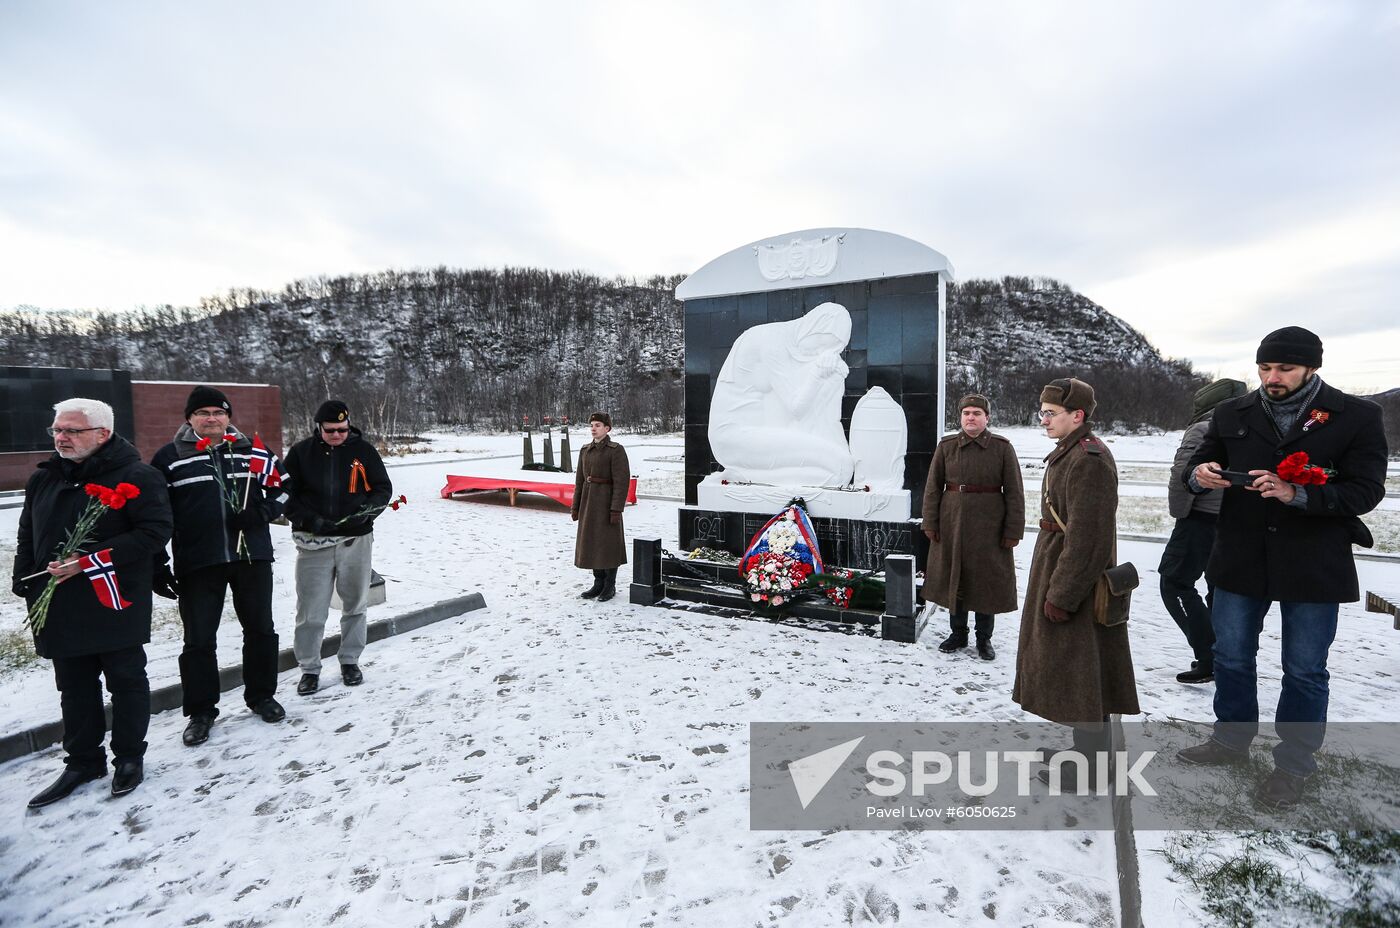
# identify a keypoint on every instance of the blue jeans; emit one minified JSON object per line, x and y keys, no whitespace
{"x":1301,"y":716}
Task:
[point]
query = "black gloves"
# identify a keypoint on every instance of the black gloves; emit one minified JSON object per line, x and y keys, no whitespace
{"x":164,"y":584}
{"x":317,"y":525}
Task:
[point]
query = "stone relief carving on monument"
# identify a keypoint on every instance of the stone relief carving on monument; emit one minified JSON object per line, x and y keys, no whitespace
{"x":799,"y":258}
{"x":775,"y":425}
{"x":775,"y":416}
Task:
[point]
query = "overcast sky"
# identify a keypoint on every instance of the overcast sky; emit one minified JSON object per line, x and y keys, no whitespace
{"x":1207,"y":171}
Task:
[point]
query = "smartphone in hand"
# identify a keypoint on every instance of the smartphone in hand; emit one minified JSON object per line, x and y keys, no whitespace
{"x":1238,"y":478}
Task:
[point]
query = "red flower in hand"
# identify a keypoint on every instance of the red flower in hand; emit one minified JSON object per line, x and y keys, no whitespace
{"x":128,"y":490}
{"x":112,"y":499}
{"x":203,"y":444}
{"x":230,"y":437}
{"x":95,"y":490}
{"x":1293,"y":467}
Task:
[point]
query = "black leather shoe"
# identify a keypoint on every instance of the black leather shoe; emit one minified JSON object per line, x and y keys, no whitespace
{"x":270,"y":710}
{"x":597,"y":586}
{"x":197,"y":731}
{"x":955,"y":641}
{"x":1197,"y":674}
{"x":126,"y":776}
{"x":1279,"y":791}
{"x":70,"y":779}
{"x":985,"y":649}
{"x":351,"y":675}
{"x":1212,"y":753}
{"x":308,"y":684}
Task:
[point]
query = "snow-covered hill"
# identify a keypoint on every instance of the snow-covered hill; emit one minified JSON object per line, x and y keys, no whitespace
{"x":482,"y":348}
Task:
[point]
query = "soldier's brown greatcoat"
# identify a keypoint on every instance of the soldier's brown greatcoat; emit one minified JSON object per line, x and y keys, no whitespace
{"x":1074,"y":672}
{"x":968,"y":565}
{"x":600,"y":545}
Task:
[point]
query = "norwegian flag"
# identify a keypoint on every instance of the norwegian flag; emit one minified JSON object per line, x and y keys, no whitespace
{"x":99,"y":569}
{"x":264,"y":463}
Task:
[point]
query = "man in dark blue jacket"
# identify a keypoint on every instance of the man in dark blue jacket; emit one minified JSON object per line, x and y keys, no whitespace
{"x":221,"y":544}
{"x":1284,"y":537}
{"x":86,"y":638}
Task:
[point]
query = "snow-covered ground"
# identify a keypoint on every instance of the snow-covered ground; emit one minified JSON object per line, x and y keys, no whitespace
{"x":547,"y":760}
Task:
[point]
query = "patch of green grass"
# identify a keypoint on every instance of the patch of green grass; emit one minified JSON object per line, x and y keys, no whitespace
{"x":1258,"y":878}
{"x":16,"y":651}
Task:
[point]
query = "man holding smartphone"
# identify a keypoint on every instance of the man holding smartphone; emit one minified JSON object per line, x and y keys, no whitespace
{"x":1285,"y":542}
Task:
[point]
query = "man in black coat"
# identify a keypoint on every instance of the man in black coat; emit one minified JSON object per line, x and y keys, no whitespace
{"x":221,"y":545}
{"x":85,"y":639}
{"x":338,"y":486}
{"x":1284,"y":536}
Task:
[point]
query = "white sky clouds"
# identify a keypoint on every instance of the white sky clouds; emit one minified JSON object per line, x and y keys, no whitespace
{"x":1208,"y":171}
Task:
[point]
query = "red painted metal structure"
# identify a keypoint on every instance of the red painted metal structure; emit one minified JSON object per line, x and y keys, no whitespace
{"x":562,"y":493}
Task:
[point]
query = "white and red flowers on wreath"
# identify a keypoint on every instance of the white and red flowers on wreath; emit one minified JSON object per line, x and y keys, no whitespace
{"x":98,"y":565}
{"x":840,"y":594}
{"x":780,"y":557}
{"x":771,"y":578}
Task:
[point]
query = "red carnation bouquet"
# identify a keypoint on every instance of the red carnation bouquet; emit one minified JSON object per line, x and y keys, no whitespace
{"x":1296,"y":469}
{"x":100,"y":499}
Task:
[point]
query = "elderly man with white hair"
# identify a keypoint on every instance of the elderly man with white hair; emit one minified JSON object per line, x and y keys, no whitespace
{"x":96,"y":626}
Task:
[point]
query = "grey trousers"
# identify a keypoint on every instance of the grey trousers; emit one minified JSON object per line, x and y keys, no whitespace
{"x":347,"y":568}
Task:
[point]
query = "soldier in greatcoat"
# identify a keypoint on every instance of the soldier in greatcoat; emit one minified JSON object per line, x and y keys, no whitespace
{"x":974,"y":513}
{"x":600,"y":494}
{"x":1069,"y":668}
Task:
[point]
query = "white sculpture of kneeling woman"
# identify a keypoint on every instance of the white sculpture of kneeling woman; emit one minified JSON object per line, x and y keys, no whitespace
{"x":775,"y":417}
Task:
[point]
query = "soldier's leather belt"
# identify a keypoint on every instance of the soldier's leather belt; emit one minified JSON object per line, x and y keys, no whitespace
{"x":970,"y":488}
{"x":1047,"y":525}
{"x":599,"y":479}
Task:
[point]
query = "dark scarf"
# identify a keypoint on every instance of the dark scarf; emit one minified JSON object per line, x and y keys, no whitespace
{"x":1286,"y":411}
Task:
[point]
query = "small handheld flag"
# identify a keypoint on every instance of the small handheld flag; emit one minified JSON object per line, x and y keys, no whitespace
{"x":103,"y":574}
{"x":263,"y":462}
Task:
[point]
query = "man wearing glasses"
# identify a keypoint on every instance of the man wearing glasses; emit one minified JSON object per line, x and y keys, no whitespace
{"x":84,"y":637}
{"x":222,"y":545}
{"x":1070,"y":669}
{"x":338,"y":487}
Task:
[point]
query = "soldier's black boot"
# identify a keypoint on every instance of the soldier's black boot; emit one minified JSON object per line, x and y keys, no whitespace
{"x":984,"y":637}
{"x":957,"y":638}
{"x":609,"y":585}
{"x":597,"y":587}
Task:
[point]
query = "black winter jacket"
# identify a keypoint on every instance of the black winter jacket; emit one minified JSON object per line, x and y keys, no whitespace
{"x":78,"y":624}
{"x":324,"y":488}
{"x":204,"y":531}
{"x":1268,"y":550}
